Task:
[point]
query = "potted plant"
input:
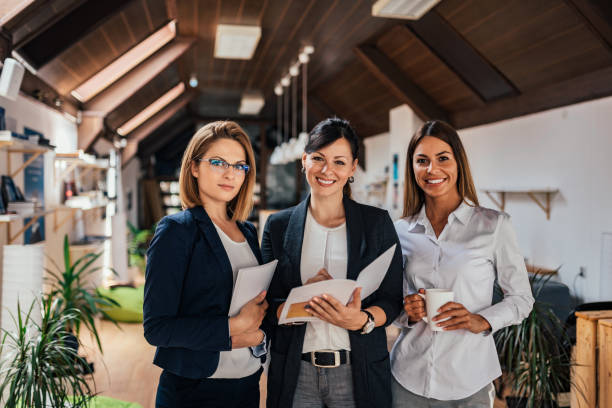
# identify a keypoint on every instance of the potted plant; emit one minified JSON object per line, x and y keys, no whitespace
{"x":534,"y":355}
{"x":38,"y":369}
{"x":137,"y":247}
{"x":69,"y":294}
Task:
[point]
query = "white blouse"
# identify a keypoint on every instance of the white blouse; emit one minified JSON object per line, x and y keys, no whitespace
{"x":237,"y":363}
{"x":324,"y":247}
{"x":476,"y":246}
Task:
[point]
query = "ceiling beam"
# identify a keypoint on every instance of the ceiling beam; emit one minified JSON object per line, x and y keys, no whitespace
{"x":383,"y":68}
{"x":597,"y":17}
{"x":148,"y":127}
{"x":459,"y":56}
{"x":89,"y":130}
{"x":593,"y":85}
{"x":113,"y":96}
{"x":163,"y":135}
{"x":15,"y":13}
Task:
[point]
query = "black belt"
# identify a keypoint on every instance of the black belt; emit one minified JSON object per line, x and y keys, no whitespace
{"x":327,"y":359}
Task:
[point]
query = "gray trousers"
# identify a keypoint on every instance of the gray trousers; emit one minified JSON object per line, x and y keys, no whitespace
{"x":329,"y":387}
{"x":402,"y":398}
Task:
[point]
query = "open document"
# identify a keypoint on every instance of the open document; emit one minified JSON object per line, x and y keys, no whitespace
{"x":249,"y":283}
{"x":369,"y":280}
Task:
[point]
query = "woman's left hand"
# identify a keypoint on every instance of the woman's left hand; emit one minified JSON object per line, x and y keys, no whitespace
{"x":329,"y":309}
{"x":460,"y":318}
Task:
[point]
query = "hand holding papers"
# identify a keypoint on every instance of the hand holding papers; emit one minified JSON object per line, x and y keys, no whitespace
{"x":369,"y":279}
{"x":249,"y":283}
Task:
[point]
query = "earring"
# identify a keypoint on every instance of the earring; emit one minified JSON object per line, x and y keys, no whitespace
{"x":303,"y":170}
{"x":351,"y":179}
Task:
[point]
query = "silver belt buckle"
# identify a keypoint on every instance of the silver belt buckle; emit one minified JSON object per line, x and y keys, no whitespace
{"x":336,"y":359}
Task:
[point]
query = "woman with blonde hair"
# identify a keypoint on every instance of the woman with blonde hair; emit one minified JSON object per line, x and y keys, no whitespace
{"x":450,"y":242}
{"x":208,"y":358}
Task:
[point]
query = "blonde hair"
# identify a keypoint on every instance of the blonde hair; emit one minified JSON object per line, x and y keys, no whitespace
{"x":413,"y":195}
{"x":240,"y":207}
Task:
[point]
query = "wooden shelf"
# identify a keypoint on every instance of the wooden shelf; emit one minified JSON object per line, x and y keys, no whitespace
{"x":74,"y":161}
{"x":500,"y":201}
{"x":9,"y":218}
{"x":17,"y":145}
{"x":72,"y":211}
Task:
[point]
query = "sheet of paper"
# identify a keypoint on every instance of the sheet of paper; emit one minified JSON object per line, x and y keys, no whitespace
{"x":372,"y":275}
{"x":369,"y":279}
{"x":249,"y":283}
{"x":294,"y":312}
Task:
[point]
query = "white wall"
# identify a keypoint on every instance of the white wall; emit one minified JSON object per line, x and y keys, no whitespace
{"x":567,"y":148}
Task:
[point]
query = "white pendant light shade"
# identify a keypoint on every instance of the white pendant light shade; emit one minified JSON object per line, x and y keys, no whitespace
{"x":301,"y":144}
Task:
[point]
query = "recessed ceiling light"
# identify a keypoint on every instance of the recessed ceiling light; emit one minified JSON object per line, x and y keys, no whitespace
{"x":125,"y":63}
{"x":251,"y":103}
{"x":236,"y":41}
{"x":406,"y":9}
{"x":151,"y":110}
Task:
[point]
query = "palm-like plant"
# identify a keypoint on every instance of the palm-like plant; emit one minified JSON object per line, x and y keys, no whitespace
{"x":38,"y":369}
{"x":70,"y":294}
{"x":534,"y":354}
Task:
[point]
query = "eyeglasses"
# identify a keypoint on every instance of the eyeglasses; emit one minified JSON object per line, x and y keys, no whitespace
{"x":221,"y":166}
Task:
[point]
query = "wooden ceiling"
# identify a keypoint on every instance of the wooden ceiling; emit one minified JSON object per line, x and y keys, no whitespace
{"x":468,"y":61}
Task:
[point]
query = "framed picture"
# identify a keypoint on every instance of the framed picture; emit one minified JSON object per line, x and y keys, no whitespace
{"x":9,"y":191}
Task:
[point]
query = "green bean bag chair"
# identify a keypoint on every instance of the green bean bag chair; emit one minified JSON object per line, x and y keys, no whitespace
{"x":106,"y":402}
{"x":103,"y":402}
{"x":130,"y":303}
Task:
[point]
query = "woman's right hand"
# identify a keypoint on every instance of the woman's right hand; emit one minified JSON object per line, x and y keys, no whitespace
{"x":322,"y":275}
{"x":414,"y":306}
{"x":250,"y":316}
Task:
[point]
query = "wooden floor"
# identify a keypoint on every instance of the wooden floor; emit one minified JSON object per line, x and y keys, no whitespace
{"x":126,"y":371}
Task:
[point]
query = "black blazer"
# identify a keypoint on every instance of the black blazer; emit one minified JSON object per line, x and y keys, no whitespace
{"x":188,"y":290}
{"x":370,"y":232}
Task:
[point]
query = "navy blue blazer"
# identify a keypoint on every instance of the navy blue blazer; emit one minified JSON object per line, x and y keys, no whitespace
{"x":188,"y":290}
{"x":370,"y":232}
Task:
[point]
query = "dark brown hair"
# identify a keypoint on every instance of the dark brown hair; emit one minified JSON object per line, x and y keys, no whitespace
{"x":413,"y":195}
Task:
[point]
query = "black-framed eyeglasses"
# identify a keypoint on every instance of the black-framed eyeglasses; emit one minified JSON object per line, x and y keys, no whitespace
{"x":221,"y":165}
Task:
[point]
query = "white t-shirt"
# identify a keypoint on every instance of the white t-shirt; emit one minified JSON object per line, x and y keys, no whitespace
{"x":237,"y":363}
{"x":324,"y":248}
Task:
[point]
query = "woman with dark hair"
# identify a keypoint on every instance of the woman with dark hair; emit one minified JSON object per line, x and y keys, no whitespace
{"x":450,"y":242}
{"x":340,"y":360}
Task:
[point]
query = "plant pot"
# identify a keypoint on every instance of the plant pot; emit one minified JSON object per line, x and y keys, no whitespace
{"x":520,"y":402}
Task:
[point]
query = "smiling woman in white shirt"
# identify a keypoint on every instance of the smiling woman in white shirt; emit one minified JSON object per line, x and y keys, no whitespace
{"x":450,"y":242}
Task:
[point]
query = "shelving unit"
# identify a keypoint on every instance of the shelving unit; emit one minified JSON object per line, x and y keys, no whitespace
{"x":72,"y":211}
{"x":500,"y":201}
{"x":14,"y":145}
{"x":9,"y":218}
{"x":77,"y":161}
{"x":17,"y":145}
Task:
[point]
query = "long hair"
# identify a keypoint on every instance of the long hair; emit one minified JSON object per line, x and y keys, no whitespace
{"x":413,"y":195}
{"x":240,"y":207}
{"x":327,"y":132}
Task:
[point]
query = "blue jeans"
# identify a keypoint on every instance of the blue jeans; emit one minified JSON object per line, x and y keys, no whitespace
{"x":329,"y":387}
{"x":179,"y":392}
{"x":402,"y":398}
